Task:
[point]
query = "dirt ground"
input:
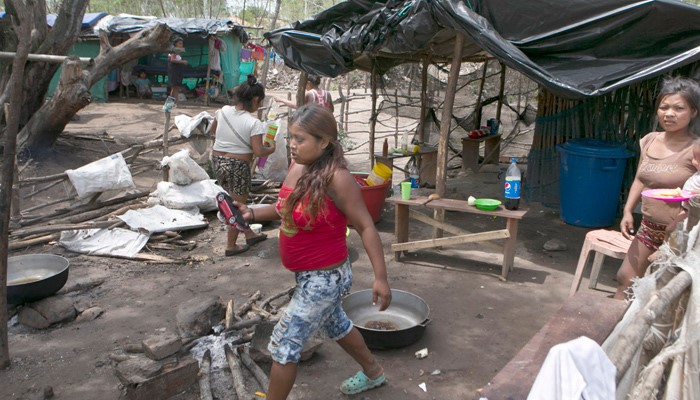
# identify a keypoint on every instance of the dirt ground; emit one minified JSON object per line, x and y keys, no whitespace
{"x":477,"y":323}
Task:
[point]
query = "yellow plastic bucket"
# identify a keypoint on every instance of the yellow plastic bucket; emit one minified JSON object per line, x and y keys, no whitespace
{"x":379,"y":174}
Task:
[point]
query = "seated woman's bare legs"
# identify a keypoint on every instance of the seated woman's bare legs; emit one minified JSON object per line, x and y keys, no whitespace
{"x":634,"y":265}
{"x":354,"y":344}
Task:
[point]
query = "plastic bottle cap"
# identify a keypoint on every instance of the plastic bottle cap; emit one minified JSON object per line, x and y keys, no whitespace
{"x":513,"y":159}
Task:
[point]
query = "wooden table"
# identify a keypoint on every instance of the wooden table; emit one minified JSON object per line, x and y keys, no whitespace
{"x":470,"y":151}
{"x":403,"y":213}
{"x":426,"y":158}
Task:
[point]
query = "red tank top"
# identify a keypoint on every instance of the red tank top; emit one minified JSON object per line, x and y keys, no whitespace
{"x":314,"y":247}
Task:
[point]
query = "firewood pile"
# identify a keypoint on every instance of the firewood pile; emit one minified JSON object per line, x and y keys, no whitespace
{"x":655,"y":345}
{"x":214,"y":348}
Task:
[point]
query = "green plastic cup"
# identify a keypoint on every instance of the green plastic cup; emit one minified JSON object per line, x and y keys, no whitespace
{"x":406,"y":190}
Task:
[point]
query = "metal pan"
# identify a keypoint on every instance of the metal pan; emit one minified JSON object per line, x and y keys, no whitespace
{"x":402,"y":324}
{"x":33,"y":277}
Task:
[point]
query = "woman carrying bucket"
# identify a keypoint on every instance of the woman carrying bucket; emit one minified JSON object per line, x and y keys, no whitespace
{"x":665,"y":162}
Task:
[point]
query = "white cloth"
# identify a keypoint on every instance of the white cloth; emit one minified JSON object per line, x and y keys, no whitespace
{"x":693,"y":183}
{"x":243,"y":122}
{"x":577,"y":369}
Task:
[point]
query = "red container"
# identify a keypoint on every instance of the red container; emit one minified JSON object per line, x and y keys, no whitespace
{"x":374,"y":197}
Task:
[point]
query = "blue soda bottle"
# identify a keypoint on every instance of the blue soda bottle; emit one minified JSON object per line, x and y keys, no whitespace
{"x":511,"y":190}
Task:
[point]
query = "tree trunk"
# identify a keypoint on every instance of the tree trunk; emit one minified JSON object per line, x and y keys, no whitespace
{"x":57,"y":41}
{"x":72,"y":94}
{"x":22,"y":26}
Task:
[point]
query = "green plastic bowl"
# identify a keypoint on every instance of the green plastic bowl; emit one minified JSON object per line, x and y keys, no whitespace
{"x":487,"y":204}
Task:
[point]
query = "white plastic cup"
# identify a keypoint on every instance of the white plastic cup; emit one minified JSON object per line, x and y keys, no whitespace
{"x":256,"y":228}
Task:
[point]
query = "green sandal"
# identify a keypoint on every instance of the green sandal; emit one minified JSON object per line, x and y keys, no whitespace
{"x":360,"y":382}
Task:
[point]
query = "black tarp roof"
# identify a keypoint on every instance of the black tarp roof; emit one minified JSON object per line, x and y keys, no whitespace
{"x":575,"y":48}
{"x":183,"y":26}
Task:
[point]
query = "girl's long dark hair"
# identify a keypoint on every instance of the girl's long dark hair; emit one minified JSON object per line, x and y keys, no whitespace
{"x":312,"y":187}
{"x":245,"y":93}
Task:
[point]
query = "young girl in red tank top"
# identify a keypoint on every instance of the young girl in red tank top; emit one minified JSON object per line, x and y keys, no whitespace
{"x":318,"y":198}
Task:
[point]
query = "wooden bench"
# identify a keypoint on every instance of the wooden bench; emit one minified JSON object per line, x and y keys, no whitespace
{"x":403,"y":213}
{"x":584,"y":314}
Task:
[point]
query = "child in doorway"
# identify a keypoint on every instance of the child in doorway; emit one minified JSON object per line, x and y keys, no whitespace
{"x":143,"y":86}
{"x":176,"y":69}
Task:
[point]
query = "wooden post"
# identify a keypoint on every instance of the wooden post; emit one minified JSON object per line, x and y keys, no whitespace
{"x":14,"y":87}
{"x":210,"y":43}
{"x":447,"y":115}
{"x":477,"y":110}
{"x":166,"y":170}
{"x":301,"y":89}
{"x":396,"y":110}
{"x":500,"y":93}
{"x":373,"y":116}
{"x":442,"y":149}
{"x":423,"y":99}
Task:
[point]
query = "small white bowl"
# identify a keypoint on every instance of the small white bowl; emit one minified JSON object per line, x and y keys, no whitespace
{"x":256,"y":228}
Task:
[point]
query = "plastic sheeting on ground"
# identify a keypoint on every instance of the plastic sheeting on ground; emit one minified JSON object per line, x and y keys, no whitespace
{"x":160,"y":219}
{"x":200,"y":194}
{"x":574,"y":48}
{"x":104,"y":242}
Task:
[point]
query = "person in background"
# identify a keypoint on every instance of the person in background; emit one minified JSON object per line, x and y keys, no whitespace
{"x":143,"y":86}
{"x":665,"y":162}
{"x":318,"y":198}
{"x":176,"y":69}
{"x":239,"y":137}
{"x":314,"y":95}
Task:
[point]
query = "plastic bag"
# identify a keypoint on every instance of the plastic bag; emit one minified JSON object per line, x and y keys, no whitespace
{"x":183,"y":169}
{"x":99,"y":176}
{"x":276,"y":166}
{"x":200,"y":194}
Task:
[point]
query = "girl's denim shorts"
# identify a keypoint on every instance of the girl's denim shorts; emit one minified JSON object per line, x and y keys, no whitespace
{"x":315,"y":306}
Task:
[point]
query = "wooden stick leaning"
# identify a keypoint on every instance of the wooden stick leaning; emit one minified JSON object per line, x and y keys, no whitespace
{"x":266,"y":303}
{"x":246,"y":306}
{"x":236,"y":374}
{"x":203,"y":377}
{"x":254,"y":369}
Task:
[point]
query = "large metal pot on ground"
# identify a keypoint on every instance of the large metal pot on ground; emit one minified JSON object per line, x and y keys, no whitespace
{"x":402,"y":324}
{"x":33,"y":277}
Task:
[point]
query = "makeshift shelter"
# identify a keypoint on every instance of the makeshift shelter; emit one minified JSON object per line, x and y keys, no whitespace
{"x":201,"y":37}
{"x":575,"y":50}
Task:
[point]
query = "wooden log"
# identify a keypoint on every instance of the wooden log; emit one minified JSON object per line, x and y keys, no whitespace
{"x":42,"y":189}
{"x":254,"y":369}
{"x":19,"y":244}
{"x":40,"y":179}
{"x":229,"y":316}
{"x":245,"y":323}
{"x":266,"y":303}
{"x":80,"y":208}
{"x":246,"y":306}
{"x":622,"y":351}
{"x":237,"y":374}
{"x":258,"y":310}
{"x":59,"y":228}
{"x":203,"y":377}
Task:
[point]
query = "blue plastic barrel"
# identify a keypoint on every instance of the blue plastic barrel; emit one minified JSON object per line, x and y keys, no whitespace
{"x":591,"y":173}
